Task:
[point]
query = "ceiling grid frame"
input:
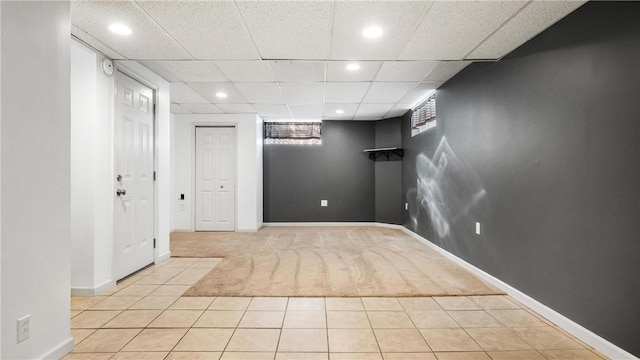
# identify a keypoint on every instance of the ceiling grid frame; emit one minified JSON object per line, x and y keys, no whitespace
{"x":397,"y":69}
{"x":163,"y":29}
{"x":466,"y":57}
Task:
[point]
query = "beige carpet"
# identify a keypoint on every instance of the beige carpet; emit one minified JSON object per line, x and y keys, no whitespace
{"x":324,"y":261}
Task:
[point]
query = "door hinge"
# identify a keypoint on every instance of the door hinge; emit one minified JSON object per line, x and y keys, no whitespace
{"x":154,"y":176}
{"x":154,"y":243}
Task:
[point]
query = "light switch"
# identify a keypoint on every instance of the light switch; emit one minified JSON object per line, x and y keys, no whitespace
{"x":324,"y":203}
{"x":477,"y":228}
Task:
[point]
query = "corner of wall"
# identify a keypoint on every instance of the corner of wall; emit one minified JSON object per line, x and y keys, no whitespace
{"x":35,"y":101}
{"x":260,"y":170}
{"x":0,"y":172}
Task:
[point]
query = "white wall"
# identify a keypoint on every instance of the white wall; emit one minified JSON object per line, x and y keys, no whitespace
{"x":0,"y":182}
{"x":249,"y":168}
{"x":35,"y":184}
{"x":92,"y":175}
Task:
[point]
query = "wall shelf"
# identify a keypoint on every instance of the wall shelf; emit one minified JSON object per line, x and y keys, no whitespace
{"x":374,"y":154}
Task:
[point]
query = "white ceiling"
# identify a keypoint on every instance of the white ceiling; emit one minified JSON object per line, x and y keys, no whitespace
{"x":286,"y":60}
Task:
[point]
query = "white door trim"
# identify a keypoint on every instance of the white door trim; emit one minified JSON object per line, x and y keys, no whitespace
{"x":156,"y":101}
{"x":197,"y":124}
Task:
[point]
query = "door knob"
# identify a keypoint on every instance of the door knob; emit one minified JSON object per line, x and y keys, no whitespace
{"x":121,"y":192}
{"x":119,"y":178}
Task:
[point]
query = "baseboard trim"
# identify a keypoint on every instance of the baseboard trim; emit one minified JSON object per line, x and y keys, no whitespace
{"x":598,"y":343}
{"x":585,"y":335}
{"x":102,"y":288}
{"x":163,"y":257}
{"x":95,"y":291}
{"x":302,"y":224}
{"x":83,"y":291}
{"x":60,"y":350}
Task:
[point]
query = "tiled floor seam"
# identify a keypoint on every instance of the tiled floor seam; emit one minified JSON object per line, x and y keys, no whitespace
{"x":403,"y":308}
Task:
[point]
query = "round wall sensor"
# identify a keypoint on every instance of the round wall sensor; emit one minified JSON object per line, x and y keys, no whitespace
{"x":107,"y":67}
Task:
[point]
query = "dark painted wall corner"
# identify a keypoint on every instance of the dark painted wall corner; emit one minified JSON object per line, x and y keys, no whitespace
{"x":543,"y":149}
{"x":298,"y":177}
{"x":388,"y":173}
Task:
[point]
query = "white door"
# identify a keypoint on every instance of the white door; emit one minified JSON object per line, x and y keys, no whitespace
{"x":134,"y":209}
{"x":215,"y":178}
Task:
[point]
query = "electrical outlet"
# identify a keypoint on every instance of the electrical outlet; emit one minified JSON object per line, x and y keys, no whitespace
{"x":182,"y":206}
{"x":24,"y":328}
{"x":324,"y":203}
{"x":477,"y":228}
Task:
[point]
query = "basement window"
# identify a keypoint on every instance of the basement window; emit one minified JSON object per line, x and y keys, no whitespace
{"x":292,"y":133}
{"x":423,"y":116}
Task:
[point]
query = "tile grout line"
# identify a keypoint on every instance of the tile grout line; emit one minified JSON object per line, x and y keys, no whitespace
{"x":404,"y":310}
{"x":366,"y":313}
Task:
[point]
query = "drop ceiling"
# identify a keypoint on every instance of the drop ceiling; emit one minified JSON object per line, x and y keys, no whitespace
{"x":286,"y":60}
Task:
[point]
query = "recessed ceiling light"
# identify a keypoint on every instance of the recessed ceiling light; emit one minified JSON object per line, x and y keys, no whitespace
{"x":120,"y":29}
{"x":372,"y":32}
{"x":340,"y":111}
{"x":221,"y":95}
{"x":353,"y":67}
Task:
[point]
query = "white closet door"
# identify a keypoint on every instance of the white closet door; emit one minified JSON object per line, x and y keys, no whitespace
{"x":215,"y":178}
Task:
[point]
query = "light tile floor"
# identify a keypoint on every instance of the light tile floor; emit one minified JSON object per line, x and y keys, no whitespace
{"x":145,"y":317}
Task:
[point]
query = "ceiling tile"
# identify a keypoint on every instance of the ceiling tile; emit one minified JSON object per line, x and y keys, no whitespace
{"x":237,"y":108}
{"x":298,"y":71}
{"x":177,"y":109}
{"x":289,"y":29}
{"x":372,"y":111}
{"x":446,"y":70}
{"x":345,"y":92}
{"x":400,"y":106}
{"x":405,"y":70}
{"x":202,"y":108}
{"x":160,"y":70}
{"x":396,"y":112}
{"x":95,"y":43}
{"x":272,"y":111}
{"x":181,"y":93}
{"x":337,"y":71}
{"x":194,"y":71}
{"x":261,"y":93}
{"x":148,"y":40}
{"x":418,"y":93}
{"x":397,"y":19}
{"x":387,"y":92}
{"x":303,"y":93}
{"x":349,"y":110}
{"x":247,"y":71}
{"x":209,"y":91}
{"x":533,"y":19}
{"x":306,"y":112}
{"x":452,"y":29}
{"x":208,"y":30}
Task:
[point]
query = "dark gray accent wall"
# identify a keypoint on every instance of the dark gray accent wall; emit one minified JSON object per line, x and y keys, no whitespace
{"x":543,"y":149}
{"x":297,"y":177}
{"x":388,"y":173}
